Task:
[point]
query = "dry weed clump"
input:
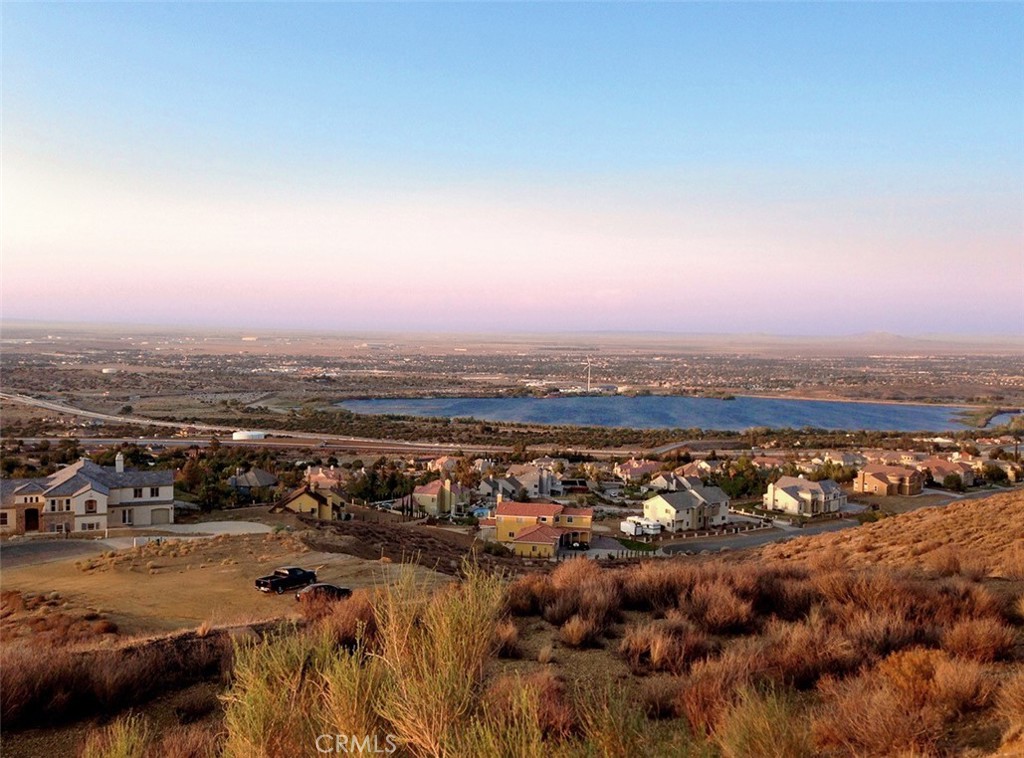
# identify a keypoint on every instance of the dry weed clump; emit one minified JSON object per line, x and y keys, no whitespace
{"x":660,"y":695}
{"x":944,"y":561}
{"x":579,"y":631}
{"x":765,"y":723}
{"x":351,"y":619}
{"x":506,"y":639}
{"x":902,"y":705}
{"x":718,"y":609}
{"x":983,"y":640}
{"x":669,"y":646}
{"x":713,"y":685}
{"x":527,"y":595}
{"x":1010,"y":706}
{"x":552,"y":706}
{"x":63,"y":686}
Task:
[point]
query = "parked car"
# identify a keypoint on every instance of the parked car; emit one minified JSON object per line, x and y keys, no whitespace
{"x":581,"y":546}
{"x":286,"y":578}
{"x":322,"y":591}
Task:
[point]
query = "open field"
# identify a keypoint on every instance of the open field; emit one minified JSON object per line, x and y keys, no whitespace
{"x":182,"y":584}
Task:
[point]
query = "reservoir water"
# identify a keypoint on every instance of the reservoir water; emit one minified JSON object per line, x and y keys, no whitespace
{"x":659,"y":412}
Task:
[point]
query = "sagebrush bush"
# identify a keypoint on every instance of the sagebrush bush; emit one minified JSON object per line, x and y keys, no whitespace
{"x":1010,"y":706}
{"x":506,"y":639}
{"x":579,"y":631}
{"x":764,"y":723}
{"x":983,"y":640}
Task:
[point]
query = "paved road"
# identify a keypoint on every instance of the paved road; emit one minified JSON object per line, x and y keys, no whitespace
{"x":755,"y":539}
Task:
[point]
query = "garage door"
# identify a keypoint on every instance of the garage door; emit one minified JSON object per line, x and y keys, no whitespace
{"x":161,"y":516}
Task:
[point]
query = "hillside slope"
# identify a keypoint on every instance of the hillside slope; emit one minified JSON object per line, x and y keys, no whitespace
{"x":975,"y":537}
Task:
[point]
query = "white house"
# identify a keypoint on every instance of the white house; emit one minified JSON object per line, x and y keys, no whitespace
{"x":695,"y":507}
{"x":801,"y":497}
{"x":86,"y":497}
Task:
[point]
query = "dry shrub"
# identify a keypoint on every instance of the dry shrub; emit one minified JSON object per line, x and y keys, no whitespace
{"x":764,"y":724}
{"x":352,"y":618}
{"x":719,"y":610}
{"x":193,"y":741}
{"x":984,"y":640}
{"x":903,"y":705}
{"x":546,"y":654}
{"x":876,"y":635}
{"x":528,"y":595}
{"x":798,"y":654}
{"x":1010,"y":706}
{"x":581,"y":587}
{"x":554,"y":712}
{"x":506,"y":639}
{"x":127,"y":737}
{"x":1012,"y":564}
{"x":670,"y":647}
{"x":712,"y":686}
{"x":944,"y":561}
{"x":195,"y":706}
{"x":656,"y":585}
{"x":61,"y":686}
{"x":660,"y":696}
{"x":579,"y":631}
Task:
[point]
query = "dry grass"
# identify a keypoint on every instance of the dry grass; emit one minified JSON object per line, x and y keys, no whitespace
{"x":506,"y":639}
{"x":984,"y":640}
{"x":764,"y":723}
{"x":1010,"y":706}
{"x":903,"y":705}
{"x":579,"y":631}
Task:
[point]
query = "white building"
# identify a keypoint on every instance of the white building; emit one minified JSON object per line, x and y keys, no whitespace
{"x":695,"y":507}
{"x":86,"y":497}
{"x":801,"y":497}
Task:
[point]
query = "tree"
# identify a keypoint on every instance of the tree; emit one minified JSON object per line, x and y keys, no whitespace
{"x":953,"y":483}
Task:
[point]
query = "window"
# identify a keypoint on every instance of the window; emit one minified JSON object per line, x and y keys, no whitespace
{"x":154,"y":492}
{"x":90,"y":506}
{"x":568,"y":519}
{"x":90,"y":526}
{"x":137,"y":492}
{"x":126,"y":516}
{"x":67,"y":505}
{"x":511,"y":534}
{"x":3,"y":519}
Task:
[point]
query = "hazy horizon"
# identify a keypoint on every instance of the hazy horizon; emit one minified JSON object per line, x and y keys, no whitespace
{"x":805,"y":171}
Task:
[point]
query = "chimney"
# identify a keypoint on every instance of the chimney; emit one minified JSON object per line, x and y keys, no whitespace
{"x":498,"y":498}
{"x":119,"y":463}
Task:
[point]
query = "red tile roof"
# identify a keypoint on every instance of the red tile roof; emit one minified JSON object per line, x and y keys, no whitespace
{"x":588,"y":512}
{"x":540,"y":534}
{"x":533,"y":510}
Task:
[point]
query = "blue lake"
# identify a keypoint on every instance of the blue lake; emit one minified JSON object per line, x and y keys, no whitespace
{"x":659,"y":412}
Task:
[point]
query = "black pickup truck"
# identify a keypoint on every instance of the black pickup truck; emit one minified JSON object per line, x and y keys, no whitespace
{"x":286,"y":578}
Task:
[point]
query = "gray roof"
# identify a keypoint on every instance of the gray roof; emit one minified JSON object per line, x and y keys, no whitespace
{"x":252,"y":479}
{"x":795,"y":483}
{"x":84,"y":474}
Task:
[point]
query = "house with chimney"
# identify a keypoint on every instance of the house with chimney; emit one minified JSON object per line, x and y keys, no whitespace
{"x":85,"y":497}
{"x":802,"y":497}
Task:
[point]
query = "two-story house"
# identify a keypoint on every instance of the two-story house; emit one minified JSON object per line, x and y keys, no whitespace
{"x":801,"y":497}
{"x":86,"y":497}
{"x":695,"y":506}
{"x":539,"y":529}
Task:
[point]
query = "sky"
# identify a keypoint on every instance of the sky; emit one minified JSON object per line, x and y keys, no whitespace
{"x":814,"y":169}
